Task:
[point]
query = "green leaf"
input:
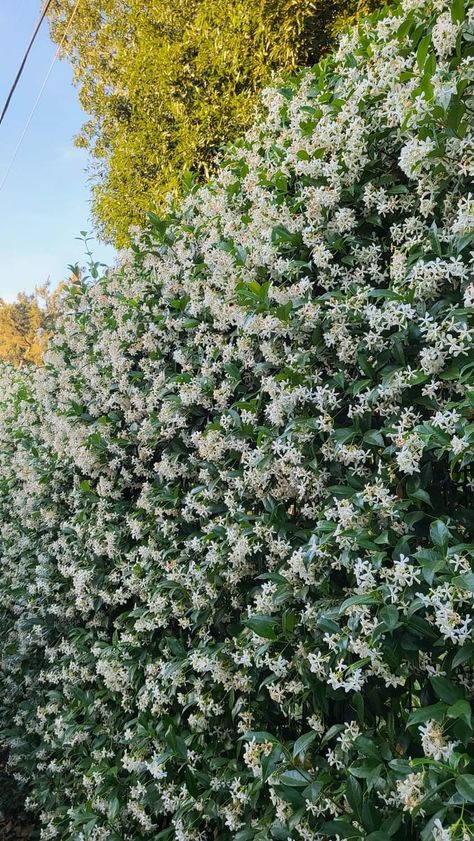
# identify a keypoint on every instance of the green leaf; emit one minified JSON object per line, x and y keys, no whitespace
{"x":391,"y":824}
{"x":422,"y":51}
{"x":396,"y":190}
{"x":343,"y":829}
{"x":303,"y":743}
{"x":181,"y":747}
{"x":288,"y":621}
{"x":461,"y":243}
{"x":291,"y":795}
{"x":263,"y":626}
{"x":163,"y":835}
{"x":422,"y":714}
{"x":294,"y":778}
{"x":244,"y":835}
{"x":368,"y":769}
{"x":333,"y":731}
{"x":461,"y":709}
{"x":367,"y":747}
{"x":373,"y":436}
{"x":422,"y":496}
{"x":464,"y":654}
{"x":364,"y":598}
{"x":434,"y":240}
{"x":404,"y":27}
{"x":440,"y":536}
{"x":431,"y":563}
{"x":259,"y":736}
{"x":358,"y":664}
{"x":465,"y":581}
{"x":457,"y":11}
{"x":354,"y":794}
{"x":389,"y":615}
{"x":191,"y":783}
{"x":113,"y":807}
{"x":279,"y":831}
{"x":446,"y":690}
{"x":465,"y":787}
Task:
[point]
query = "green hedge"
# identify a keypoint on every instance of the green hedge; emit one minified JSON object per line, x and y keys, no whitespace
{"x":237,"y":581}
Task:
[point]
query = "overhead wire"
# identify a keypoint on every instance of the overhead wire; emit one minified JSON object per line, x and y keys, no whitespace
{"x":40,"y":93}
{"x":24,"y":60}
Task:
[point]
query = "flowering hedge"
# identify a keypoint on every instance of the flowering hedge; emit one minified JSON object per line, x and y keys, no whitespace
{"x":237,"y":573}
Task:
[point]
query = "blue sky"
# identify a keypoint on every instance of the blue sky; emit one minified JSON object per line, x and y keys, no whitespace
{"x":45,"y":201}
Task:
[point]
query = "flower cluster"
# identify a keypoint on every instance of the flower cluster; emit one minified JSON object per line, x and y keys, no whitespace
{"x":236,"y":534}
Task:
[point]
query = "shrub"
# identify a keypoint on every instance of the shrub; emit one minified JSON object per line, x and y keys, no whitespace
{"x":164,"y":92}
{"x":237,"y":543}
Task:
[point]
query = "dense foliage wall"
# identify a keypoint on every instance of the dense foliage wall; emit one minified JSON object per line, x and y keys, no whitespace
{"x":237,"y":581}
{"x":165,"y":85}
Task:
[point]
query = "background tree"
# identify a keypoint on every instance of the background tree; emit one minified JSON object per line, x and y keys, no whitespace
{"x":165,"y":85}
{"x":26,"y":324}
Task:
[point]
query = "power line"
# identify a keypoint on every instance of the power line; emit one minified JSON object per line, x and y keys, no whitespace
{"x":24,"y":60}
{"x":45,"y":81}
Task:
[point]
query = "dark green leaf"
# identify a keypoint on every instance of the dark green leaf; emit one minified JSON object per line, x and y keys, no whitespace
{"x":303,"y":742}
{"x":446,"y":690}
{"x":389,"y":615}
{"x":440,"y":535}
{"x":461,"y":709}
{"x":433,"y":711}
{"x":263,"y":626}
{"x":294,"y":778}
{"x":464,"y":655}
{"x":465,"y":787}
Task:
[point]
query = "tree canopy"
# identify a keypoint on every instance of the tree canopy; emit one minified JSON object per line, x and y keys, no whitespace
{"x":166,"y":84}
{"x":26,"y":324}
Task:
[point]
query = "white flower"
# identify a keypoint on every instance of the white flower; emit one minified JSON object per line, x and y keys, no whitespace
{"x":464,"y":222}
{"x":439,"y":833}
{"x":444,"y":35}
{"x":433,"y":742}
{"x":409,"y":456}
{"x":317,"y":663}
{"x":413,"y":156}
{"x":410,"y":791}
{"x":469,"y":295}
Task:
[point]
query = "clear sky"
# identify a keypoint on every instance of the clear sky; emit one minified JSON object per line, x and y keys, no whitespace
{"x":45,"y":201}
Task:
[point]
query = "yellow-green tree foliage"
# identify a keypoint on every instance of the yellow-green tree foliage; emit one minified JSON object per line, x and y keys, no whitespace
{"x":26,"y":324}
{"x":167,"y":82}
